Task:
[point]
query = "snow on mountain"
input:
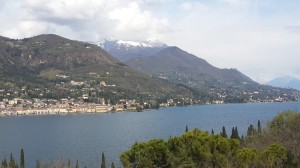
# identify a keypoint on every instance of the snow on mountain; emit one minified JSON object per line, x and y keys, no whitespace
{"x":125,"y":50}
{"x":149,"y":43}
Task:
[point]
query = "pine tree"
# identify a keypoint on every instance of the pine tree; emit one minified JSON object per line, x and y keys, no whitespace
{"x":22,"y":160}
{"x":212,"y":131}
{"x":113,"y":165}
{"x":223,"y":133}
{"x":103,"y":164}
{"x":259,"y":130}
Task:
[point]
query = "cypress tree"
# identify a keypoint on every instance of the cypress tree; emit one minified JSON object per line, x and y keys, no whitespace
{"x":12,"y":162}
{"x":22,"y":160}
{"x":223,"y":133}
{"x":186,"y":128}
{"x":69,"y":163}
{"x":113,"y":165}
{"x":103,"y":164}
{"x":259,"y":130}
{"x":77,"y":165}
{"x":251,"y":130}
{"x":4,"y":163}
{"x":38,"y":164}
{"x":237,"y":133}
{"x":232,"y":133}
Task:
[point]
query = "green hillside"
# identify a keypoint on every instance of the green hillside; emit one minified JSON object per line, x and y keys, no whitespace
{"x":51,"y":61}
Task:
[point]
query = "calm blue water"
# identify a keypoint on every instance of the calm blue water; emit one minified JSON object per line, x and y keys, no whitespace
{"x":85,"y":137}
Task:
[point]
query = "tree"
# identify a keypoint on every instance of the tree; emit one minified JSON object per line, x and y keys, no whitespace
{"x":247,"y":157}
{"x":234,"y":133}
{"x":12,"y":162}
{"x":22,"y":160}
{"x":274,"y":156}
{"x":223,"y":133}
{"x":259,"y":129}
{"x":113,"y":165}
{"x":212,"y":131}
{"x":103,"y":164}
{"x":69,"y":163}
{"x":251,"y":130}
{"x":4,"y":163}
{"x":186,"y":128}
{"x":38,"y":164}
{"x":77,"y":165}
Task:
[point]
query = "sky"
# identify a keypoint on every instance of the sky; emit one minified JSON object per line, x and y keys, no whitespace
{"x":260,"y":38}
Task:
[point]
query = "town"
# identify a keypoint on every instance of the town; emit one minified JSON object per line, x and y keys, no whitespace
{"x":17,"y":102}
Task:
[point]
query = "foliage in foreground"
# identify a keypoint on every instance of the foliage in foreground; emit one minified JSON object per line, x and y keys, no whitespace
{"x":276,"y":146}
{"x":201,"y":149}
{"x":284,"y":129}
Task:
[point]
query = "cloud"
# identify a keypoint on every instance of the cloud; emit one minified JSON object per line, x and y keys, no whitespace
{"x":62,"y":9}
{"x":133,"y":19}
{"x":92,"y":20}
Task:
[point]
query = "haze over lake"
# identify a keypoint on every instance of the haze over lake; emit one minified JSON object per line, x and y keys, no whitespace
{"x":85,"y":137}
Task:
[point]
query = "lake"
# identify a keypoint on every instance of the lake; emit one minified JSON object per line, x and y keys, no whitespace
{"x":86,"y":136}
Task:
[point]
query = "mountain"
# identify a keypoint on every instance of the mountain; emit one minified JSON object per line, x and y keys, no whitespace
{"x":61,"y":65}
{"x":181,"y":67}
{"x":50,"y":66}
{"x":285,"y":82}
{"x":126,"y":50}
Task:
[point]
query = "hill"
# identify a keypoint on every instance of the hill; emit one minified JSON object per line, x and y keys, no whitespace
{"x":62,"y":68}
{"x":285,"y":82}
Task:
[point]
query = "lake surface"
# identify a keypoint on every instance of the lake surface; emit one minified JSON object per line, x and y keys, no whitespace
{"x":86,"y":136}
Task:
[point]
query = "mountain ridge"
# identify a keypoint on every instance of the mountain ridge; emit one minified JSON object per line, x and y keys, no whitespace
{"x":37,"y":61}
{"x":178,"y":66}
{"x":57,"y":67}
{"x":285,"y":82}
{"x":174,"y":60}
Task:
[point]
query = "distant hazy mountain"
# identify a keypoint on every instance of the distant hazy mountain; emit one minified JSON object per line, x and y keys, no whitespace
{"x":126,"y":50}
{"x":285,"y":82}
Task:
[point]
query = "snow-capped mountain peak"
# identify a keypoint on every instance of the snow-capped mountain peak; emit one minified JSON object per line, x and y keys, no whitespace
{"x":149,"y":43}
{"x":124,"y":50}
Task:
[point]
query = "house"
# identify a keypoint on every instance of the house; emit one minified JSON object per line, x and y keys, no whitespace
{"x":100,"y":108}
{"x":102,"y":83}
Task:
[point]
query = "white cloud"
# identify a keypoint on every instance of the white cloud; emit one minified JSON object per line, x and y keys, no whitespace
{"x":63,"y":9}
{"x":132,"y":19}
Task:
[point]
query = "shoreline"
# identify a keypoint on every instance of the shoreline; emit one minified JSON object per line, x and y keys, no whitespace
{"x":4,"y":114}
